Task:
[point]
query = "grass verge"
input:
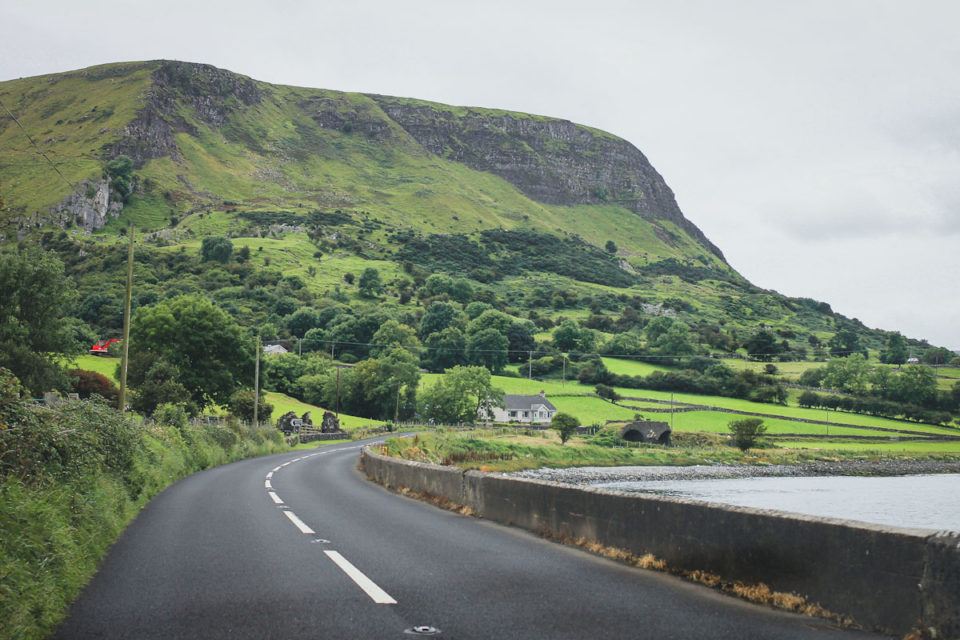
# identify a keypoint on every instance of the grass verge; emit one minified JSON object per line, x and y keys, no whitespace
{"x":71,"y":479}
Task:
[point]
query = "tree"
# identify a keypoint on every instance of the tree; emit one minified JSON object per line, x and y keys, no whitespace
{"x":301,"y":321}
{"x":848,"y":374}
{"x":917,"y":384}
{"x":677,"y":340}
{"x":565,"y":425}
{"x":611,"y":247}
{"x":155,"y":382}
{"x":936,"y":356}
{"x":393,"y":334}
{"x":444,"y":350}
{"x":462,"y":395}
{"x":762,"y":345}
{"x":746,"y":432}
{"x":216,"y":249}
{"x":491,"y":319}
{"x":845,"y":343}
{"x":896,"y":349}
{"x":657,"y":327}
{"x":34,"y":327}
{"x":489,"y":349}
{"x":241,"y":405}
{"x":567,"y":336}
{"x":370,"y":285}
{"x":438,"y":316}
{"x":120,"y":172}
{"x":521,"y":340}
{"x":213,"y":355}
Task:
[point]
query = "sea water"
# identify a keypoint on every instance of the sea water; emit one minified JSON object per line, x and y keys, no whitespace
{"x":924,"y":501}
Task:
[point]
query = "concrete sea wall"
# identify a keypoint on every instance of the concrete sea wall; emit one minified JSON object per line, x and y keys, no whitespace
{"x":883,"y":577}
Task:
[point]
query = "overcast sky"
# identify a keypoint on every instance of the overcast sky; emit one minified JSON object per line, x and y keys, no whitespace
{"x":817,"y":143}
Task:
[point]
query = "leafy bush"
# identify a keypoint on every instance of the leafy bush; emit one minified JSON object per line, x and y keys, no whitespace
{"x":746,"y":432}
{"x":88,"y":383}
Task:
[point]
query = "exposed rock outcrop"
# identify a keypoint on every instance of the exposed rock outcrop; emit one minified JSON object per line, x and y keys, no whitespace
{"x":87,"y":211}
{"x":550,"y":160}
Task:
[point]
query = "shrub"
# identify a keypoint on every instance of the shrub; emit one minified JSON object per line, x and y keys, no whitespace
{"x":746,"y":432}
{"x":565,"y":425}
{"x":87,"y":383}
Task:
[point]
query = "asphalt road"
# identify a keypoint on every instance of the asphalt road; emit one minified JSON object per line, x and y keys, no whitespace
{"x":300,"y":545}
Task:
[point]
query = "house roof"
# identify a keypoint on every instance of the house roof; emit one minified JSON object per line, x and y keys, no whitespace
{"x":524,"y":403}
{"x":274,"y":348}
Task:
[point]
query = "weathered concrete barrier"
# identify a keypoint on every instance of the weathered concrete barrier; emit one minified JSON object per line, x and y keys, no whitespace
{"x":895,"y":579}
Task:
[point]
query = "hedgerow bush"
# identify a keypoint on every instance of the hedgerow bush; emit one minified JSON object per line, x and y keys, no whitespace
{"x":72,"y":476}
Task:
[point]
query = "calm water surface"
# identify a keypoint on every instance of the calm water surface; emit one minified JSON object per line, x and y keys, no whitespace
{"x":926,"y":501}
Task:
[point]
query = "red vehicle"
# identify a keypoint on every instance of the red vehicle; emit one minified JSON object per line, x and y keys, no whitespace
{"x":101,"y":346}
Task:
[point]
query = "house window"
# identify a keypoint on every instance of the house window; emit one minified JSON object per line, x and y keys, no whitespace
{"x":526,"y":414}
{"x":512,"y":414}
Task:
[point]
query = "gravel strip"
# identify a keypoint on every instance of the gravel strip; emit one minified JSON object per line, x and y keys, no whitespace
{"x":595,"y":475}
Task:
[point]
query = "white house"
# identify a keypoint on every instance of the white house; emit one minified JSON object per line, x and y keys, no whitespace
{"x":525,"y":409}
{"x":274,"y":348}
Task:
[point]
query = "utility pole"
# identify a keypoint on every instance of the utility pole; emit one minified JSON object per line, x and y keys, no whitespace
{"x":300,"y":347}
{"x":529,"y":365}
{"x":256,"y":386}
{"x":396,"y":410}
{"x":563,"y":382}
{"x":126,"y":325}
{"x":338,"y":392}
{"x":671,"y":414}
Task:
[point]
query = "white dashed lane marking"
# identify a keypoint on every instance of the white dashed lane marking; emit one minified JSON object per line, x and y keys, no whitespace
{"x":299,"y":523}
{"x":378,"y":595}
{"x":369,"y":587}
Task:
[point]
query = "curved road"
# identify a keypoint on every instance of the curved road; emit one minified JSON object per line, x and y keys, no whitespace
{"x":300,"y":545}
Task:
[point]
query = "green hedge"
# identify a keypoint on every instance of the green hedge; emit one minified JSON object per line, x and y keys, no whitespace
{"x":71,"y":478}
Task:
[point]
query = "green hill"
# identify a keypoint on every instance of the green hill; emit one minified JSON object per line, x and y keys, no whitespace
{"x":537,"y":213}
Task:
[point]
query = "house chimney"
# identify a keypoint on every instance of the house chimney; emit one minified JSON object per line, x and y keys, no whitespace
{"x":543,"y":394}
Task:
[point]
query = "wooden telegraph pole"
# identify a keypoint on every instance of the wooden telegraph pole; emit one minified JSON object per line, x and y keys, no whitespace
{"x":126,"y":324}
{"x":256,"y":386}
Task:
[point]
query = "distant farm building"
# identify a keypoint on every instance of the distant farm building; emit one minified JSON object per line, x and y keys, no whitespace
{"x":274,"y":348}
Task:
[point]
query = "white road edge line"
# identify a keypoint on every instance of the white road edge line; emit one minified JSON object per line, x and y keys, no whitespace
{"x":299,"y":523}
{"x":376,"y":594}
{"x":267,"y":485}
{"x":275,"y":469}
{"x":269,"y":475}
{"x":276,"y":499}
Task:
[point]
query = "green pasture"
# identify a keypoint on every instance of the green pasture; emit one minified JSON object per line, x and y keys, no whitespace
{"x":283,"y":403}
{"x":780,"y":410}
{"x":103,"y":365}
{"x":625,"y":367}
{"x":718,"y":421}
{"x":590,"y":410}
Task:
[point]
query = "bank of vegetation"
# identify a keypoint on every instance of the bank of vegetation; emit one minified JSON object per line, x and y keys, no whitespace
{"x":510,"y":450}
{"x":72,"y":476}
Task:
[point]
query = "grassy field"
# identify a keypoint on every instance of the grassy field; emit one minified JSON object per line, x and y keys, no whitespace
{"x":284,"y":403}
{"x":625,"y":367}
{"x":780,"y":410}
{"x":103,"y":365}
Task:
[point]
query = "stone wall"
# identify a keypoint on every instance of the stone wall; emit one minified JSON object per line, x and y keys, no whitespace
{"x":889,"y":578}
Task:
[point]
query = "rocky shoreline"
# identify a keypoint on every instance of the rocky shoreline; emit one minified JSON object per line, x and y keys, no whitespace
{"x":597,"y":475}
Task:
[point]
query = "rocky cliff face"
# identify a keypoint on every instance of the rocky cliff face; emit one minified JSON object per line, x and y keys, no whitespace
{"x":211,"y":92}
{"x":88,"y":209}
{"x":551,"y":161}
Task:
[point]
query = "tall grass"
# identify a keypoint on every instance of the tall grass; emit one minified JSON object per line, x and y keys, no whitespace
{"x":71,"y":478}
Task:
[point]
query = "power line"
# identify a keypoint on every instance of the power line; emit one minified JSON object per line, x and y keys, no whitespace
{"x":36,"y":146}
